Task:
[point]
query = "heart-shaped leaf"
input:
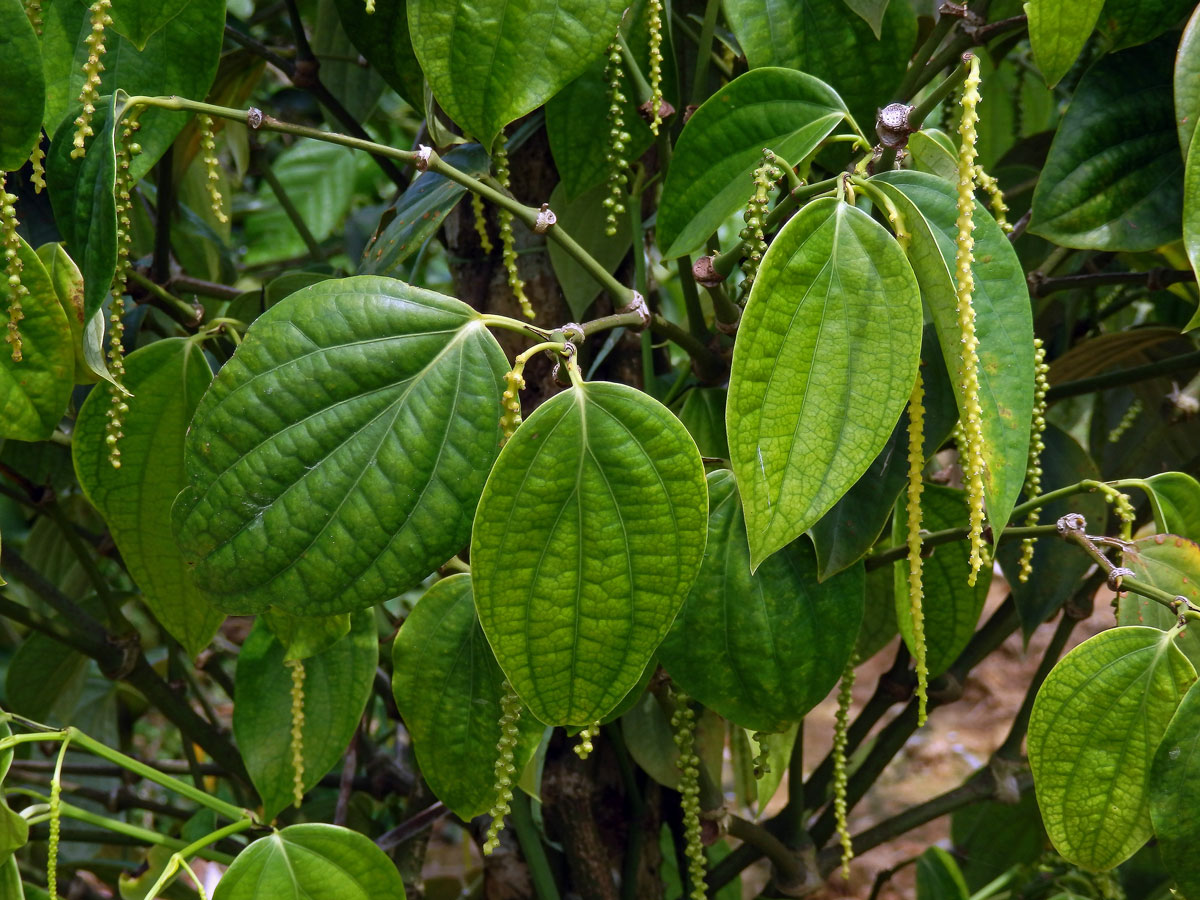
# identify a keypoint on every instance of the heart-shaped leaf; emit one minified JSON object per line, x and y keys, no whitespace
{"x":35,"y":389}
{"x":338,"y":456}
{"x":1104,"y":188}
{"x":760,"y":649}
{"x":1169,"y":563}
{"x":1057,"y":33}
{"x":448,"y":689}
{"x":22,"y":88}
{"x":721,"y":145}
{"x":1175,"y":794}
{"x":824,"y":362}
{"x":314,"y":862}
{"x":475,"y":53}
{"x":167,"y":379}
{"x":587,"y":538}
{"x":1096,"y":723}
{"x":337,"y":685}
{"x":1003,"y":325}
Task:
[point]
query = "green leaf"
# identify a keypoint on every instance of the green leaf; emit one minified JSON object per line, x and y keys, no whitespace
{"x":382,"y":39}
{"x":951,"y":607}
{"x":313,"y":862}
{"x":85,"y":210}
{"x":138,"y":20}
{"x":991,"y":837}
{"x":86,"y":338}
{"x":1057,"y":566}
{"x":358,"y":87}
{"x":580,"y":220}
{"x":824,"y":362}
{"x":647,"y":731}
{"x":1187,"y":82}
{"x":14,"y":833}
{"x":879,"y":616}
{"x":1174,"y":805}
{"x":938,"y":876}
{"x":703,"y":412}
{"x":1176,"y":498}
{"x":337,"y":685}
{"x":1191,"y":211}
{"x":22,"y":88}
{"x":1169,"y":563}
{"x":588,"y":535}
{"x":871,"y":12}
{"x":167,"y":379}
{"x":721,"y":146}
{"x":305,"y":636}
{"x":760,"y":649}
{"x":1111,"y":181}
{"x":927,"y":152}
{"x":476,"y":54}
{"x":1003,"y":325}
{"x":1057,"y":33}
{"x":180,"y":58}
{"x":830,"y":42}
{"x":1127,"y":23}
{"x":1095,"y":725}
{"x":337,"y":458}
{"x":34,"y":391}
{"x":448,"y":688}
{"x":844,"y":534}
{"x":45,"y":680}
{"x":420,"y":211}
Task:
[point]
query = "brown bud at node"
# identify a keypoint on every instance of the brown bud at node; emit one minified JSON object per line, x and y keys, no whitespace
{"x":545,"y":218}
{"x":665,"y":110}
{"x":705,"y":273}
{"x":254,"y":117}
{"x":891,"y":124}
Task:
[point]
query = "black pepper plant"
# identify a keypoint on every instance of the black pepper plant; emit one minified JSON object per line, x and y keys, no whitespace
{"x":509,"y":422}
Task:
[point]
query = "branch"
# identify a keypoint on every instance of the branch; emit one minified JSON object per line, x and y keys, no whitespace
{"x":1153,"y":279}
{"x":1122,"y":377}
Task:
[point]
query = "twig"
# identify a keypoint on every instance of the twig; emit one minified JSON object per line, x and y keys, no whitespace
{"x":1154,"y":279}
{"x":1122,"y":377}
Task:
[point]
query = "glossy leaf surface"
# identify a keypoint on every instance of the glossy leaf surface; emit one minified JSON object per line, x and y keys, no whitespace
{"x":721,"y":146}
{"x":34,"y":391}
{"x":1169,"y":563}
{"x":1126,"y":23}
{"x":580,"y":220}
{"x":139,"y":19}
{"x":22,"y":89}
{"x":1095,"y":725}
{"x":760,"y":649}
{"x":1175,"y":500}
{"x":1057,"y":33}
{"x":825,"y":359}
{"x":448,"y":688}
{"x":938,"y":876}
{"x":587,"y":538}
{"x":870,"y":11}
{"x":1003,"y":325}
{"x":703,"y":412}
{"x":1111,"y":181}
{"x":313,"y":862}
{"x":1191,"y":209}
{"x":1174,"y":804}
{"x":475,"y":53}
{"x":1187,"y":82}
{"x":167,"y":379}
{"x":991,"y":837}
{"x":337,"y":685}
{"x":339,"y":454}
{"x":382,"y":38}
{"x":86,"y":336}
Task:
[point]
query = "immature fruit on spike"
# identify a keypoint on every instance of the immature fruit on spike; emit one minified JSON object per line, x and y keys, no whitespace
{"x":507,"y":239}
{"x":1033,"y":469}
{"x":92,"y":68}
{"x":12,"y":268}
{"x":506,"y":771}
{"x":297,"y":669}
{"x":683,"y":724}
{"x":916,"y":463}
{"x":841,"y":725}
{"x":618,"y":165}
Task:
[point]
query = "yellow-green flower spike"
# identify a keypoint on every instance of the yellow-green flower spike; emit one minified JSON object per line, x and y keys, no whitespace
{"x":584,"y":748}
{"x":1127,"y":420}
{"x":33,"y":11}
{"x":212,"y":166}
{"x":297,"y":669}
{"x":754,"y":241}
{"x":370,"y":5}
{"x":1033,"y":469}
{"x":55,"y":822}
{"x":618,"y":140}
{"x":507,"y":240}
{"x":841,"y":727}
{"x":485,"y":241}
{"x":656,"y":61}
{"x":118,"y":407}
{"x":514,"y":383}
{"x":1122,"y":507}
{"x":995,"y":198}
{"x":683,"y":724}
{"x":37,"y":160}
{"x":13,"y":267}
{"x":506,"y":770}
{"x":972,"y":424}
{"x":916,"y":590}
{"x":92,"y":68}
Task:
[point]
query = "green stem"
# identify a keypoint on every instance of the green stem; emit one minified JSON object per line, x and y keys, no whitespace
{"x":691,"y":298}
{"x":631,"y":66}
{"x":544,"y":885}
{"x":949,"y":536}
{"x":181,"y":311}
{"x":293,"y":214}
{"x":726,"y":311}
{"x":179,"y":858}
{"x":908,"y":86}
{"x":725,"y":262}
{"x":921,"y":110}
{"x":704,"y":51}
{"x":788,"y":868}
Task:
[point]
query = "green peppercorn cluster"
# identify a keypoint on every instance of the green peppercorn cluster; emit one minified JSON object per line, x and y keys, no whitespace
{"x":297,"y":670}
{"x":916,"y":590}
{"x":514,"y":382}
{"x":584,"y":748}
{"x":841,"y":728}
{"x":485,"y":241}
{"x":1131,"y":415}
{"x":754,"y":240}
{"x":618,"y":140}
{"x":92,"y":68}
{"x":1033,"y":469}
{"x":212,"y":166}
{"x":118,"y":407}
{"x":762,"y":762}
{"x":506,"y":770}
{"x":507,"y":239}
{"x":995,"y":198}
{"x":656,"y":61}
{"x":37,"y":160}
{"x":13,"y":268}
{"x":683,"y":724}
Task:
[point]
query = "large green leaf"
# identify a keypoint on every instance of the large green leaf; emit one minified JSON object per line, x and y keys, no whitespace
{"x":448,"y":689}
{"x":761,"y":649}
{"x":1191,"y":209}
{"x":1126,"y":23}
{"x":167,"y":379}
{"x":1174,"y":800}
{"x":1095,"y":725}
{"x":703,"y":412}
{"x":845,"y":533}
{"x":1003,"y":325}
{"x":710,"y":176}
{"x":991,"y":837}
{"x":1057,"y":33}
{"x":476,"y":53}
{"x":382,"y":38}
{"x":1111,"y":181}
{"x":179,"y":58}
{"x":938,"y":876}
{"x":871,"y":12}
{"x":1187,"y":82}
{"x":139,"y":19}
{"x":825,"y":359}
{"x":338,"y":456}
{"x":646,"y":729}
{"x":829,"y":41}
{"x":358,"y":87}
{"x":1169,"y":563}
{"x":86,"y":336}
{"x":951,"y":607}
{"x":14,"y":833}
{"x":337,"y":685}
{"x":578,"y":218}
{"x":34,"y":391}
{"x":85,"y":210}
{"x":22,"y":88}
{"x":311,"y":862}
{"x":588,"y":536}
{"x":1175,"y":499}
